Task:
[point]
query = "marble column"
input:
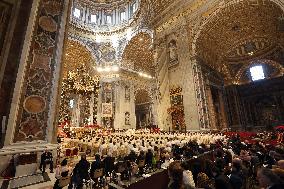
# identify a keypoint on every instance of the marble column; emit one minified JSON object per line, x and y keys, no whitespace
{"x":186,"y":77}
{"x":92,"y":104}
{"x":99,"y":108}
{"x":32,"y":115}
{"x":211,"y":109}
{"x":224,"y":122}
{"x":127,"y":12}
{"x":163,"y":90}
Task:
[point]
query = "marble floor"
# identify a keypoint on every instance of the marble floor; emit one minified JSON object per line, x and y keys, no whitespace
{"x":43,"y":185}
{"x":37,"y":181}
{"x":27,"y":183}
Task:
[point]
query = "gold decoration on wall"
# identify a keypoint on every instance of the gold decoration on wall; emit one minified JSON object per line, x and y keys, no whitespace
{"x":76,"y":55}
{"x":80,"y":81}
{"x":237,"y":23}
{"x":139,"y":53}
{"x":238,"y":32}
{"x":142,"y":97}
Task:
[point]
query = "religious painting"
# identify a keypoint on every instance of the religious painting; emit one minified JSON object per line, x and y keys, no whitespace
{"x":177,"y":109}
{"x":173,"y":55}
{"x":127,"y":93}
{"x":127,"y":118}
{"x":176,"y":96}
{"x":107,"y":109}
{"x":5,"y":14}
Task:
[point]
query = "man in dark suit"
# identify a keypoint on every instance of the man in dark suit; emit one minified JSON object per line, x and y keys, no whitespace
{"x":236,"y":177}
{"x":46,"y":158}
{"x":221,"y":180}
{"x":81,"y":172}
{"x":108,"y":163}
{"x":97,"y":164}
{"x":149,"y":158}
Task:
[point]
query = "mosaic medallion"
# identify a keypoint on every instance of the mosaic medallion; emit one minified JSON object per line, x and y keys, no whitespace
{"x":47,"y":23}
{"x":34,"y":104}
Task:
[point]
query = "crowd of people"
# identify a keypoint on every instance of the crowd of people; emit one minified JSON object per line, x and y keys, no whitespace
{"x":233,"y":163}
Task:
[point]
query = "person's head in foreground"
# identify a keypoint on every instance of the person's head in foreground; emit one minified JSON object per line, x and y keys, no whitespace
{"x":267,"y":178}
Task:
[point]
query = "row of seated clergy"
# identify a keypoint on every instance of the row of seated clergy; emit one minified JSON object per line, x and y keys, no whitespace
{"x":90,"y":151}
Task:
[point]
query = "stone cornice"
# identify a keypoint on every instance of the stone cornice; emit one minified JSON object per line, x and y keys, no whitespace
{"x":19,"y":148}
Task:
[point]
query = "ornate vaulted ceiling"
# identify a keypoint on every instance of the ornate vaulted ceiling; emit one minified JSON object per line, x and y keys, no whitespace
{"x":240,"y":33}
{"x":160,"y":5}
{"x":138,"y":54}
{"x":76,"y":55}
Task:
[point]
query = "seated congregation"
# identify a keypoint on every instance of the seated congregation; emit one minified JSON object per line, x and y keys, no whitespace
{"x":183,"y":160}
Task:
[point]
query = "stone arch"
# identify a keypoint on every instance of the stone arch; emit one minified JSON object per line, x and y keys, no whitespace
{"x":137,"y":54}
{"x":262,"y":61}
{"x":84,"y":43}
{"x":132,"y":35}
{"x":76,"y":55}
{"x":146,"y":93}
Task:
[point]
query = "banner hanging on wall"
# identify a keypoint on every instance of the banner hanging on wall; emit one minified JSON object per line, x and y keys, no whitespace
{"x":107,"y":109}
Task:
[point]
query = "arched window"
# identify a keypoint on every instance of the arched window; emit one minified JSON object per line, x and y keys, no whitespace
{"x":109,"y":19}
{"x":93,"y":18}
{"x":257,"y":73}
{"x":71,"y":103}
{"x":77,"y":13}
{"x":133,"y":8}
{"x":122,"y":16}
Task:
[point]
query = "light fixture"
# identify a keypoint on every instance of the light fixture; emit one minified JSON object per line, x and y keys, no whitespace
{"x":99,"y":69}
{"x":250,"y":53}
{"x":145,"y":75}
{"x":115,"y":68}
{"x":98,"y":39}
{"x":107,"y":69}
{"x":114,"y":40}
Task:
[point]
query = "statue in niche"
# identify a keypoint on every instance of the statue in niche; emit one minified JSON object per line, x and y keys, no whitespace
{"x":127,"y":118}
{"x":108,"y":97}
{"x":173,"y":52}
{"x":127,"y":93}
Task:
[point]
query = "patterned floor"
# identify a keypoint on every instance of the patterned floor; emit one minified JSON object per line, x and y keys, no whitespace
{"x":36,"y":181}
